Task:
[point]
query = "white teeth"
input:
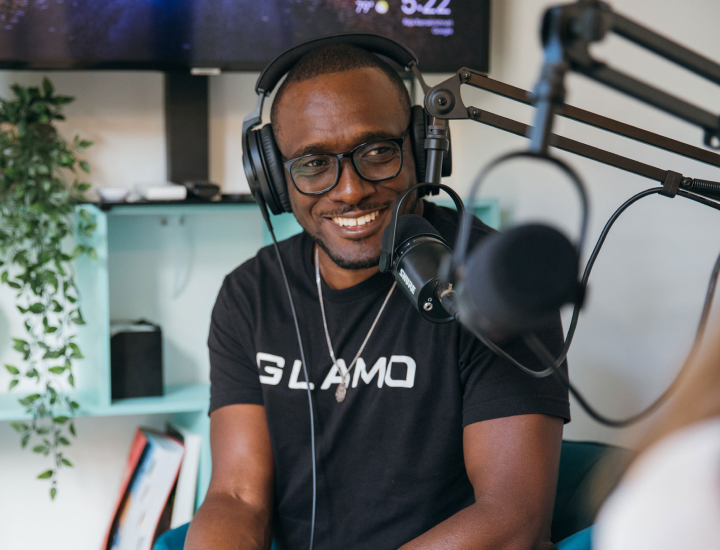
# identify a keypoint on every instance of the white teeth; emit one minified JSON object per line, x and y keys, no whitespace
{"x":360,"y":220}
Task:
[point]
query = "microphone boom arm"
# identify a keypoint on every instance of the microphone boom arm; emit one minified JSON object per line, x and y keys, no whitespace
{"x":444,"y":101}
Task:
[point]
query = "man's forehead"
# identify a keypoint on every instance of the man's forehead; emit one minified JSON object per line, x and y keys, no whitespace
{"x":339,"y":109}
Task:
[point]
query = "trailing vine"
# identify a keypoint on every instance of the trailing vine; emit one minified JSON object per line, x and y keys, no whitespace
{"x":37,"y":220}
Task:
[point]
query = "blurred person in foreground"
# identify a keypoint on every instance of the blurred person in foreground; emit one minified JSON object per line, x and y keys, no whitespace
{"x":670,"y":496}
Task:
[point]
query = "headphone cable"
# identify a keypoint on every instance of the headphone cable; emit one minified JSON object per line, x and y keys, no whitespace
{"x":307,"y":379}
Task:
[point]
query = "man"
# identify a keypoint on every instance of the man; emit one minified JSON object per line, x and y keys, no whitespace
{"x":437,"y":444}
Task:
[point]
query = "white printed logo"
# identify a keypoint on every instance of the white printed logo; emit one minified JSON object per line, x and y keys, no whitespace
{"x":407,"y":281}
{"x":404,"y":375}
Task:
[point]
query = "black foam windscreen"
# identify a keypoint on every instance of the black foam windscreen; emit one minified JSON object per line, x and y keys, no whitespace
{"x":408,"y":226}
{"x":518,"y":280}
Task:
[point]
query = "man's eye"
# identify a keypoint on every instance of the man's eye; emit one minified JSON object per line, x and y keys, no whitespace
{"x":379,"y":150}
{"x":311,"y":165}
{"x":316,"y":163}
{"x":380,"y":153}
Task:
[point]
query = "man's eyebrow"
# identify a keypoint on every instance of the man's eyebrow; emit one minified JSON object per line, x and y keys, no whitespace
{"x":326,"y":147}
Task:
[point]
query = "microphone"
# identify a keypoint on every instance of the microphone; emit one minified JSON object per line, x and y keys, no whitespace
{"x":516,"y":281}
{"x":417,"y":258}
{"x":513,"y":282}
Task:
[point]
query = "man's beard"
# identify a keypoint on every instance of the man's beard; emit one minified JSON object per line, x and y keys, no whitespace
{"x":344,"y":263}
{"x":363,"y":263}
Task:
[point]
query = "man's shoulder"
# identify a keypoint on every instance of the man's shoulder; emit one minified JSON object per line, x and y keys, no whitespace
{"x":263,"y":269}
{"x":447,"y":221}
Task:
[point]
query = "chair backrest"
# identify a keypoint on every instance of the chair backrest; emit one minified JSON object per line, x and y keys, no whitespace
{"x":589,"y":472}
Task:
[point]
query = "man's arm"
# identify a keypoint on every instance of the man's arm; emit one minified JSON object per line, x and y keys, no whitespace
{"x":513,"y":466}
{"x":236,"y":513}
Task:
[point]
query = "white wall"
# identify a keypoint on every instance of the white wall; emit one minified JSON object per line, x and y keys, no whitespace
{"x":646,"y":290}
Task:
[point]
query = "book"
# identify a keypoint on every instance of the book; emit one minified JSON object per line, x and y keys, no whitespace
{"x":183,"y":507}
{"x":153,"y":465}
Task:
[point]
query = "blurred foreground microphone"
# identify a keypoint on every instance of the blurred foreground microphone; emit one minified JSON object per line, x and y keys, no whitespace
{"x":419,"y":251}
{"x":517,"y":281}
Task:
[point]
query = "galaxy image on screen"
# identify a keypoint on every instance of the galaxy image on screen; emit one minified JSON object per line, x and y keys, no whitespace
{"x":229,"y":34}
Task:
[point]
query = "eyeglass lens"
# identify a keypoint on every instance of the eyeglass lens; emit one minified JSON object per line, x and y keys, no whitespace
{"x":373,"y":161}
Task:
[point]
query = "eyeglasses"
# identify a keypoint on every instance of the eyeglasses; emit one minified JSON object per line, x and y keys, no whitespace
{"x":375,"y":161}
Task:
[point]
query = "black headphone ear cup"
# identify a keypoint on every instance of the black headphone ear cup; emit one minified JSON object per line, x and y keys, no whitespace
{"x":418,"y":132}
{"x":256,"y":174}
{"x":274,"y":169}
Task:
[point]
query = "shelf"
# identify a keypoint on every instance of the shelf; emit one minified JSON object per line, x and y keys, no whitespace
{"x":190,"y":206}
{"x":177,"y":399}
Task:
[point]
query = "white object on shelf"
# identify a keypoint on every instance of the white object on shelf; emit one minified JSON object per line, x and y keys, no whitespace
{"x":184,"y":505}
{"x":162,"y":192}
{"x":113,"y":194}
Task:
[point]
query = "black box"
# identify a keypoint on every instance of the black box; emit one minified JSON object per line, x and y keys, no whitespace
{"x":136,"y":360}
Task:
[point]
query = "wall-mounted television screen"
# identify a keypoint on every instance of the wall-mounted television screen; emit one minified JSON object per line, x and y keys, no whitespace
{"x":234,"y":35}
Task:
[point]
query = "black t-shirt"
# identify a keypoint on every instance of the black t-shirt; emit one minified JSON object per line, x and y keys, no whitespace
{"x":390,"y":457}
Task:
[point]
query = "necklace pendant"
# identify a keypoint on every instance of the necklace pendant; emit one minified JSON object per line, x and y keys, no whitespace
{"x":341,"y":392}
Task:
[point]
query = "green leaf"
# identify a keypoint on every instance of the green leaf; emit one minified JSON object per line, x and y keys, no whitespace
{"x":14,"y":285}
{"x":85,"y":215}
{"x":39,"y":449}
{"x":57,"y":370}
{"x":24,"y":440}
{"x":66,"y":462}
{"x":19,"y":427}
{"x":84,"y":166}
{"x":47,"y":474}
{"x":37,"y":308}
{"x":53,"y":492}
{"x":64,"y":441}
{"x":50,"y":330}
{"x":74,"y":405}
{"x":47,"y":87}
{"x":71,"y":299}
{"x":85,"y":144}
{"x":12,"y":370}
{"x":20,"y":345}
{"x":72,"y":429}
{"x":4,"y":277}
{"x":32,"y":398}
{"x":60,"y":419}
{"x":83,"y":186}
{"x":13,"y":383}
{"x":92,"y":254}
{"x":71,"y":380}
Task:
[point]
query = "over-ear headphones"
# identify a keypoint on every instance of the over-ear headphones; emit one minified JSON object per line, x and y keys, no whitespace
{"x":261,"y":157}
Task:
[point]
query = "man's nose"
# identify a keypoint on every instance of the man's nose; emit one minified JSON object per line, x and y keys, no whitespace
{"x":351,"y":188}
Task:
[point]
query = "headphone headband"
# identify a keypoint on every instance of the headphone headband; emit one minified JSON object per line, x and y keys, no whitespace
{"x":400,"y":54}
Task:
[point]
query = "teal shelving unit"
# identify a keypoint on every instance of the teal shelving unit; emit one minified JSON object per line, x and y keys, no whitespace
{"x":166,"y":263}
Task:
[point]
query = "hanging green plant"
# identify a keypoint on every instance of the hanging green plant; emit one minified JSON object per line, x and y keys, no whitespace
{"x":37,"y":220}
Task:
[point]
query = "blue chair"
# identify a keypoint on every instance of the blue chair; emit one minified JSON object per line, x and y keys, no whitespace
{"x":578,"y":541}
{"x":588,"y":474}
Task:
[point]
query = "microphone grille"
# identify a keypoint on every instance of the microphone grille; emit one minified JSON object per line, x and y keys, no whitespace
{"x":408,"y":226}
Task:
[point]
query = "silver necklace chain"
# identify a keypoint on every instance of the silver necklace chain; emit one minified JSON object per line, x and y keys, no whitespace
{"x":341,"y":390}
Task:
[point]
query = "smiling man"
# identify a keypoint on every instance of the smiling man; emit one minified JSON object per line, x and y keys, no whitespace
{"x":424,"y":439}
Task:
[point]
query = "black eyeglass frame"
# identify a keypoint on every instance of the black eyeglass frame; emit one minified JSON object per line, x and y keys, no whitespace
{"x":400,"y":142}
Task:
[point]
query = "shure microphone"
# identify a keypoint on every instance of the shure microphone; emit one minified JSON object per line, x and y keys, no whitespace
{"x":419,"y":253}
{"x":513,"y":282}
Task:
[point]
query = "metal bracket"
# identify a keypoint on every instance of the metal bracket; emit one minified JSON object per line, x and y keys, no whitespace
{"x":671,"y":184}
